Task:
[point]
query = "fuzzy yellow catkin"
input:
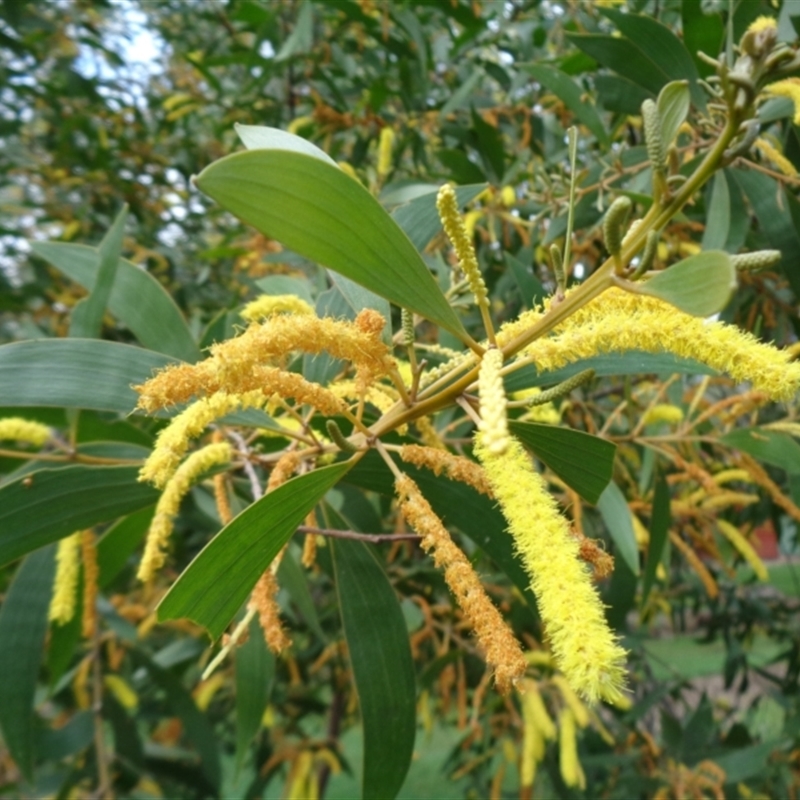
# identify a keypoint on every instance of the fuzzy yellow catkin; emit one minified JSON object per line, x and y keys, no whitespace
{"x":533,"y":741}
{"x":447,"y":204}
{"x":173,"y":441}
{"x":385,"y":143}
{"x":586,"y":650}
{"x":775,"y":156}
{"x":169,"y":503}
{"x":568,"y":762}
{"x":264,"y":601}
{"x":91,"y":574}
{"x":663,"y":412}
{"x":457,"y":468}
{"x":789,"y":87}
{"x":18,"y":429}
{"x":745,"y":549}
{"x":494,"y":423}
{"x":502,"y":650}
{"x":65,"y":583}
{"x":267,"y":305}
{"x":619,"y":321}
{"x":533,"y":706}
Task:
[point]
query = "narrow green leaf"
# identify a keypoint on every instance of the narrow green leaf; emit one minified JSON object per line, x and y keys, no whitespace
{"x":293,"y":578}
{"x":323,"y":214}
{"x":673,"y":108}
{"x":137,"y":299}
{"x":584,"y":462}
{"x":700,"y":285}
{"x":489,"y":145}
{"x":301,"y":39}
{"x":47,"y":505}
{"x":87,"y":315}
{"x":213,"y":587}
{"x":633,"y":362}
{"x":530,"y":287}
{"x":771,"y":447}
{"x":659,"y":528}
{"x":75,"y":373}
{"x":255,"y":670}
{"x":23,"y":626}
{"x":119,"y":542}
{"x":420,"y":219}
{"x":619,"y":94}
{"x":196,"y":725}
{"x":380,"y":656}
{"x":718,"y":215}
{"x":571,"y":94}
{"x":617,"y":517}
{"x":261,"y":137}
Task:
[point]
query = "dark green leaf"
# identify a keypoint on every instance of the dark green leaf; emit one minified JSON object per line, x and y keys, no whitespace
{"x":701,"y":31}
{"x":771,"y":447}
{"x":137,"y":299}
{"x":584,"y":462}
{"x":23,"y":626}
{"x":213,"y":587}
{"x":572,"y":95}
{"x":530,"y":287}
{"x":619,"y":94}
{"x":75,"y":373}
{"x":380,"y":656}
{"x":617,"y":516}
{"x":255,"y":670}
{"x":700,"y":285}
{"x":419,"y":218}
{"x":323,"y":214}
{"x":87,"y":314}
{"x":52,"y":503}
{"x":119,"y":542}
{"x":490,"y":145}
{"x":293,"y":578}
{"x":659,"y":528}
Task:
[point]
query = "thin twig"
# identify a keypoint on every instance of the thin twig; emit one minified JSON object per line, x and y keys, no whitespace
{"x":372,"y":538}
{"x":255,"y":483}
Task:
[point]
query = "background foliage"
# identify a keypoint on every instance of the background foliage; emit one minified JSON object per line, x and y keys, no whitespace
{"x":476,"y":93}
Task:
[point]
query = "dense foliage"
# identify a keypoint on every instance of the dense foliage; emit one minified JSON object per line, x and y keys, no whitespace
{"x":309,"y":308}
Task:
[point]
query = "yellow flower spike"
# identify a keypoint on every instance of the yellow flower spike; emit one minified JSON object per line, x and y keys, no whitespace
{"x":169,"y":503}
{"x":268,"y":304}
{"x":447,"y":204}
{"x":763,"y":23}
{"x":532,"y":750}
{"x":730,"y":475}
{"x":494,"y":424}
{"x":788,"y":87}
{"x":385,"y":144}
{"x":568,"y":762}
{"x":745,"y":549}
{"x":618,"y":321}
{"x":533,"y":706}
{"x":443,"y":462}
{"x":122,"y":691}
{"x":17,"y":429}
{"x":663,"y":412}
{"x":501,"y":649}
{"x":774,"y":155}
{"x":65,"y":584}
{"x":579,"y":710}
{"x":585,"y":649}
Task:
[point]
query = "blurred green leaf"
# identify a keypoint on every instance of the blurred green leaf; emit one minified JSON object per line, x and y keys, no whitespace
{"x":380,"y":657}
{"x":75,"y":373}
{"x":702,"y":31}
{"x":584,"y":462}
{"x":771,"y":447}
{"x":23,"y":627}
{"x":700,"y":285}
{"x":119,"y":542}
{"x":213,"y":587}
{"x":49,"y":504}
{"x":617,"y":517}
{"x":619,"y":94}
{"x":323,"y":214}
{"x":137,"y":299}
{"x":659,"y":530}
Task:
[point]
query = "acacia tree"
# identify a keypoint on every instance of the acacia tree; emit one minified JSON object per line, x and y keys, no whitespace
{"x":412,"y":482}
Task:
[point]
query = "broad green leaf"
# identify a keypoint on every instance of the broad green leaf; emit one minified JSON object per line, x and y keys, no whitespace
{"x":718,"y":214}
{"x":460,"y":506}
{"x":661,"y":46}
{"x":659,"y":528}
{"x":255,"y":670}
{"x":420,"y":219}
{"x":359,"y":298}
{"x":620,"y":94}
{"x":75,"y":373}
{"x":383,"y":670}
{"x":617,"y":516}
{"x":673,"y":108}
{"x":119,"y":542}
{"x":701,"y":32}
{"x":633,"y":362}
{"x":771,"y":447}
{"x":213,"y":587}
{"x":47,"y":505}
{"x":137,"y":299}
{"x":197,"y":728}
{"x":261,"y":137}
{"x":584,"y":462}
{"x":286,"y":284}
{"x":700,"y":285}
{"x":323,"y":214}
{"x":530,"y":287}
{"x":23,"y":626}
{"x":572,"y":95}
{"x":87,"y":315}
